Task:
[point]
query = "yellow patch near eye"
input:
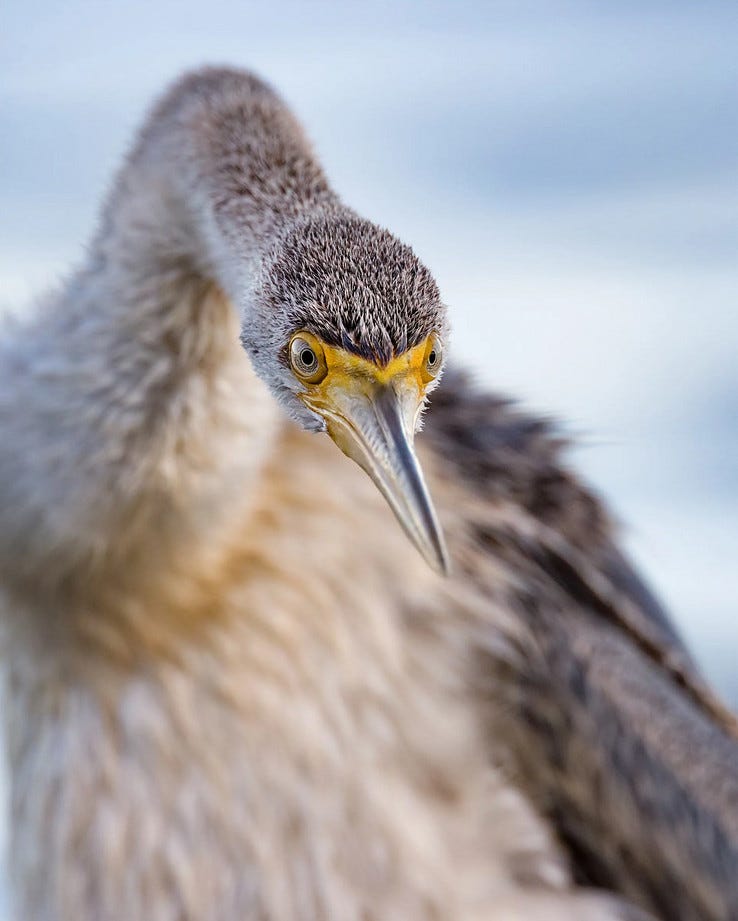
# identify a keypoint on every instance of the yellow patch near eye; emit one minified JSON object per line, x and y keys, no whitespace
{"x":343,"y":375}
{"x":410,"y":364}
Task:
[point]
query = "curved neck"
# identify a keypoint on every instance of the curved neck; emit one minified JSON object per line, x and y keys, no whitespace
{"x":220,"y":170}
{"x":133,"y":405}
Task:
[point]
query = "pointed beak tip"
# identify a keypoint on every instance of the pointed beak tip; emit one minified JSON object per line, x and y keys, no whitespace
{"x":441,"y":564}
{"x":432,"y":547}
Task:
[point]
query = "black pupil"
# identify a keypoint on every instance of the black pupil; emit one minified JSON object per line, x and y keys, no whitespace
{"x":432,"y":357}
{"x":307,"y":357}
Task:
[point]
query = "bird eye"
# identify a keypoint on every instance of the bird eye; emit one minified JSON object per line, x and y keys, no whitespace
{"x":307,"y":358}
{"x":433,"y":359}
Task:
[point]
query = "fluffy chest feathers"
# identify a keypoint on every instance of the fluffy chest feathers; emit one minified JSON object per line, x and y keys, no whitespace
{"x":266,"y":728}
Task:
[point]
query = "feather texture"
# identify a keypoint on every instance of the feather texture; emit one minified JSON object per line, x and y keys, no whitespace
{"x":233,"y":688}
{"x":600,"y":715}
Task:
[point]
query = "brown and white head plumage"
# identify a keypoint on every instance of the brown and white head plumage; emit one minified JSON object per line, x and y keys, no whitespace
{"x":352,"y":284}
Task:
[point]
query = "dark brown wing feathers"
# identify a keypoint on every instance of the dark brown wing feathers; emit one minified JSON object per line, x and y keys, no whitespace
{"x":600,"y":714}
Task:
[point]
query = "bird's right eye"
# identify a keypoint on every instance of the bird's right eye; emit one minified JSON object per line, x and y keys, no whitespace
{"x":307,"y":358}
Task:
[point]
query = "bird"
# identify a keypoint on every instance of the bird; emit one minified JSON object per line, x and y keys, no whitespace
{"x":250,"y":676}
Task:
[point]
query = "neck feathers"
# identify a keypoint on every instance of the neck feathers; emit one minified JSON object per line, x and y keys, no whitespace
{"x":126,"y":402}
{"x":220,"y":170}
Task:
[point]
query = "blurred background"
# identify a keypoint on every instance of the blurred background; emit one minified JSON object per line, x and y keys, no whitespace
{"x":569,"y":171}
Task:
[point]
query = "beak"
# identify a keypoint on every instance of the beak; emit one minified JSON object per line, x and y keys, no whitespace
{"x":374,"y":425}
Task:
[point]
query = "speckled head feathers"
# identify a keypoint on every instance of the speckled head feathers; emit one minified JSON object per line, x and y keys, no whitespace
{"x":354,"y":285}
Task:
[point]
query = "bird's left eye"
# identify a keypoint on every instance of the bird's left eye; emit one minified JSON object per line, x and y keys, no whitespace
{"x":307,"y":358}
{"x":433,"y":358}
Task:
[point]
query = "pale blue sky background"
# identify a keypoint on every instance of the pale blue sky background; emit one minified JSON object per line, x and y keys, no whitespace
{"x":568,"y":169}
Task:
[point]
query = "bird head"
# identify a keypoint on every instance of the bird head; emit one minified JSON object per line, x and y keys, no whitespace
{"x":347,"y":328}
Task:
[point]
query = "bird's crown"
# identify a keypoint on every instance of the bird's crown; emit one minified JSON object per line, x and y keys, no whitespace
{"x":355,"y":286}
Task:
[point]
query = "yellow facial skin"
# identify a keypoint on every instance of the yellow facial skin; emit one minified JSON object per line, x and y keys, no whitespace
{"x":340,"y":370}
{"x":371,"y":412}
